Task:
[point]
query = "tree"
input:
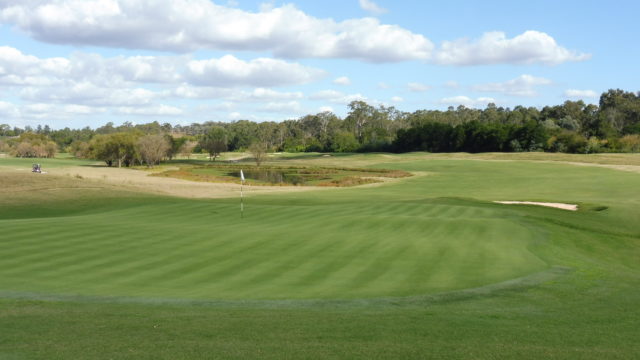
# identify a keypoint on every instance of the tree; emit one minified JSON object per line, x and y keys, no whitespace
{"x":344,"y":141}
{"x":360,"y":113}
{"x":24,"y":149}
{"x":259,"y":151}
{"x":241,"y":134}
{"x":187,"y":148}
{"x":117,"y":147}
{"x":5,"y":130}
{"x":80,"y":149}
{"x":152,"y":148}
{"x":175,"y":143}
{"x":214,"y":142}
{"x":50,"y":149}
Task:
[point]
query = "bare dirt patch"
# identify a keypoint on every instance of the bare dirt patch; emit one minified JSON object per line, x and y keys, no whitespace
{"x":563,"y":206}
{"x":140,"y":180}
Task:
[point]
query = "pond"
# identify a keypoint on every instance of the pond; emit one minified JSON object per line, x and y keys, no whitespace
{"x":271,"y":176}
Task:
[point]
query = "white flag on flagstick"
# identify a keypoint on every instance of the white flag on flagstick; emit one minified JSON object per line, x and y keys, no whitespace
{"x":241,"y":175}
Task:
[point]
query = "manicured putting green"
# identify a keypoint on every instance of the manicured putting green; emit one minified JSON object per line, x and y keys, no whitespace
{"x":202,"y":249}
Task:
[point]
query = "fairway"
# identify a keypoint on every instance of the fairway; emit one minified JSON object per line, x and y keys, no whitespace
{"x":418,"y":243}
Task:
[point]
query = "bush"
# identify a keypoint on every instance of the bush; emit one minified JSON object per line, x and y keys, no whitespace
{"x":567,"y":141}
{"x":27,"y":149}
{"x":4,"y":147}
{"x":595,"y":145}
{"x":345,"y":141}
{"x":630,"y":143}
{"x":80,"y":149}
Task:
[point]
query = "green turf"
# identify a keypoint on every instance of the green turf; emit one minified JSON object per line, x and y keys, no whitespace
{"x":25,"y":163}
{"x":421,"y":267}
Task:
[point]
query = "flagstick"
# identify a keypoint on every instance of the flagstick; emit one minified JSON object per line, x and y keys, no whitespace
{"x":241,"y":197}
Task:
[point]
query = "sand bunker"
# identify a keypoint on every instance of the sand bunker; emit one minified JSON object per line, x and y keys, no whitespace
{"x":570,"y":207}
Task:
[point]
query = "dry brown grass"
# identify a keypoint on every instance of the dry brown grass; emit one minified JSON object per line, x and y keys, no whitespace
{"x":140,"y":181}
{"x":345,"y":176}
{"x":350,"y":181}
{"x":596,"y":159}
{"x":25,"y":187}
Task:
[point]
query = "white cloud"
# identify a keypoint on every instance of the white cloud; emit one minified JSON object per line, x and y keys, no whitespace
{"x":467,"y":101}
{"x":184,"y":26}
{"x":231,"y":71}
{"x":285,"y":31}
{"x":283,"y":107}
{"x":258,"y":94}
{"x":85,"y":93}
{"x":495,"y":48}
{"x":187,"y":91}
{"x":224,"y":106}
{"x":370,"y":6}
{"x":8,"y":110}
{"x":17,"y":68}
{"x":20,"y":69}
{"x":45,"y":111}
{"x":39,"y":108}
{"x":263,"y":94}
{"x":156,"y":110}
{"x":418,"y":87}
{"x":523,"y":85}
{"x":580,"y":94}
{"x":325,"y":109}
{"x":337,"y":97}
{"x":326,"y":95}
{"x":397,"y":99}
{"x":383,"y":85}
{"x":86,"y":84}
{"x":82,"y":109}
{"x":342,"y":80}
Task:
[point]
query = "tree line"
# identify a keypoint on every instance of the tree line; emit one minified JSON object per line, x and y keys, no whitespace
{"x":574,"y":126}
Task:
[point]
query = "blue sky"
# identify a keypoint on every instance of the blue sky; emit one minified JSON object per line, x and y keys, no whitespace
{"x":86,"y":62}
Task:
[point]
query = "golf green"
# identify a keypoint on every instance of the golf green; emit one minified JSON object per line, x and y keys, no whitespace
{"x":435,"y":240}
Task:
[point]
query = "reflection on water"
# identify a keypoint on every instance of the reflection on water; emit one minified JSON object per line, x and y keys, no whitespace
{"x":271,"y":176}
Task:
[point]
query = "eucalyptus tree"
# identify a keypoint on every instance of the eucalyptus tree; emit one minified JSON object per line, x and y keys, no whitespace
{"x":214,"y":141}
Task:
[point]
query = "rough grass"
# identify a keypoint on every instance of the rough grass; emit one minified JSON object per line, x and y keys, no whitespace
{"x":426,"y":267}
{"x":313,"y":176}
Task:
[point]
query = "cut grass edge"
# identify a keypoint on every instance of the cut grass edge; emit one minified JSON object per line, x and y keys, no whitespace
{"x":490,"y":290}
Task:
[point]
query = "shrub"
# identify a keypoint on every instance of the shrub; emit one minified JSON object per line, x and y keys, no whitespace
{"x":567,"y":141}
{"x":630,"y":143}
{"x":595,"y":145}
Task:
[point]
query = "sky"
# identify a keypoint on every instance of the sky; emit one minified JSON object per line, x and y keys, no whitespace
{"x":77,"y":63}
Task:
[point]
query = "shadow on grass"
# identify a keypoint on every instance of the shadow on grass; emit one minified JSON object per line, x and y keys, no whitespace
{"x":491,"y":290}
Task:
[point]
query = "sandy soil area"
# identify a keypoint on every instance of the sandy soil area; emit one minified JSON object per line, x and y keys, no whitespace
{"x":141,"y":181}
{"x":570,"y":207}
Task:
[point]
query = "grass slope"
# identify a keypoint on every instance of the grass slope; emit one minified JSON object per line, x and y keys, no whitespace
{"x":130,"y":275}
